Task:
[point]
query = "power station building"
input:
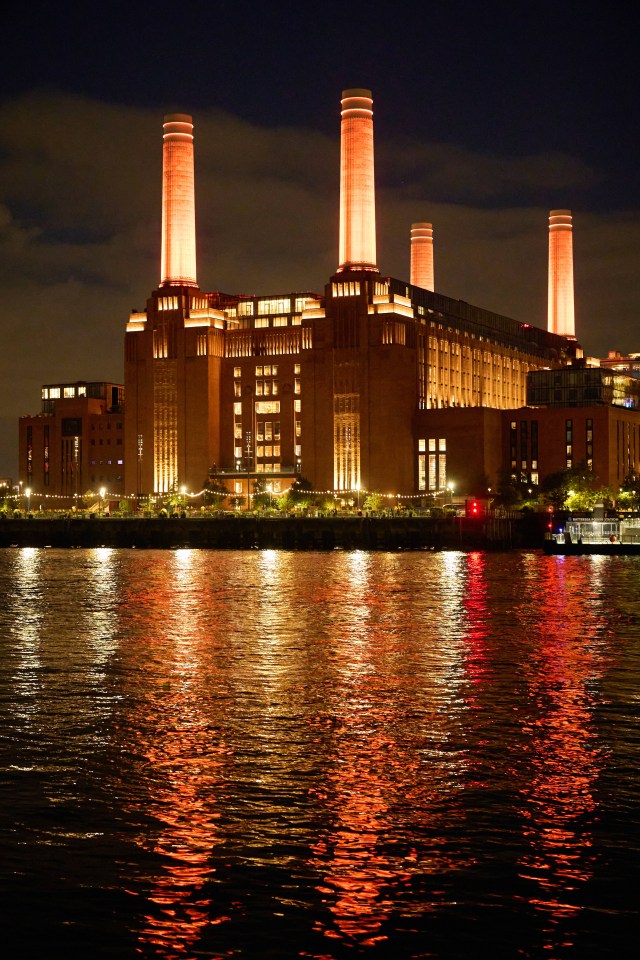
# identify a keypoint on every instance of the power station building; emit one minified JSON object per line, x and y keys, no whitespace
{"x":378,"y":383}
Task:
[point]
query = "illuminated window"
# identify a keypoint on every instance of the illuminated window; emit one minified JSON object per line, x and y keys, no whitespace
{"x":237,"y":389}
{"x":296,"y":386}
{"x":54,"y":393}
{"x":276,"y":430}
{"x":245,"y":308}
{"x":280,"y":321}
{"x":237,"y":371}
{"x":276,"y":449}
{"x":296,"y":369}
{"x":238,"y":486}
{"x":275,"y":305}
{"x":261,"y":322}
{"x":259,"y":371}
{"x":298,"y":450}
{"x":297,"y":406}
{"x":275,"y":388}
{"x":268,"y":406}
{"x":298,"y":428}
{"x":268,"y":430}
{"x":237,"y":409}
{"x":82,"y":391}
{"x":237,"y":452}
{"x":237,"y":431}
{"x":259,"y":388}
{"x":259,"y":450}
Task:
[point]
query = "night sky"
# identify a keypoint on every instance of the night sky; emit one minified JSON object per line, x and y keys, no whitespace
{"x":487,"y":115}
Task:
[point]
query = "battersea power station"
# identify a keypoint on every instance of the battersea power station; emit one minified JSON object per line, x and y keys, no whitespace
{"x":377,"y":384}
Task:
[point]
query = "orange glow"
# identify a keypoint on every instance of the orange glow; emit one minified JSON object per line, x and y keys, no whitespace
{"x":357,"y":249}
{"x":381,"y":770}
{"x":184,"y":757}
{"x":564,"y":759}
{"x":561,"y":314}
{"x":178,"y":203}
{"x":422,"y":256}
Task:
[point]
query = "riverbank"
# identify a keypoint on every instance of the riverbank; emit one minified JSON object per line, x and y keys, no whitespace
{"x":231,"y":532}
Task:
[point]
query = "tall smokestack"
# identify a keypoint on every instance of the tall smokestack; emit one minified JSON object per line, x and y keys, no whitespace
{"x":357,"y":191}
{"x":422,"y":255}
{"x":561,"y":316}
{"x":178,"y":203}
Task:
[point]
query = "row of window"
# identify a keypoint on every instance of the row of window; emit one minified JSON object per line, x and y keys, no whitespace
{"x":265,"y":370}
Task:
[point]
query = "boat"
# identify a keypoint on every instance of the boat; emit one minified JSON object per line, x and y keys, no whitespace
{"x":610,"y":537}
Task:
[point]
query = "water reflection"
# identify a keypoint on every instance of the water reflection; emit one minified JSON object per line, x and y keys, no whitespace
{"x":184,"y":756}
{"x":393,"y":718}
{"x":326,"y":754}
{"x":563,"y":672}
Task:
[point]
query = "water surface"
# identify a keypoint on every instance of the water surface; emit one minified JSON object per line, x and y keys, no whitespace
{"x":323,"y":755}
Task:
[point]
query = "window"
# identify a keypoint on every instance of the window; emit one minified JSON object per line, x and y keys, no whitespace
{"x":237,"y":372}
{"x":268,"y":406}
{"x":237,"y":409}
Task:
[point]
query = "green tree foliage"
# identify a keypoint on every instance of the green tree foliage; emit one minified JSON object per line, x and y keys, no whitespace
{"x":215,"y":493}
{"x":574,"y":489}
{"x":374,"y":502}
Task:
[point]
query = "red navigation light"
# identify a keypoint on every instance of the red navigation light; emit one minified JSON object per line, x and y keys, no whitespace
{"x":473,"y":508}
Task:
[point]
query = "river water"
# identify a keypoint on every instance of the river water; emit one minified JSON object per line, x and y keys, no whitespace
{"x":319,"y":755}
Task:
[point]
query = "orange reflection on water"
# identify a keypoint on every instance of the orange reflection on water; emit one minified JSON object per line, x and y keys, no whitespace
{"x":187,"y":766}
{"x":564,"y":757}
{"x":357,"y":870}
{"x":391,"y":774}
{"x":186,"y":756}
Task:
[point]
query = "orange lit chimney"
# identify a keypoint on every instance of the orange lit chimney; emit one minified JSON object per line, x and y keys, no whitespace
{"x":422,"y":255}
{"x":357,"y":191}
{"x":178,"y":203}
{"x":561,"y":317}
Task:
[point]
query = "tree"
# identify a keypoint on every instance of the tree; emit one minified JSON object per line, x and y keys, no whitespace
{"x":374,"y":502}
{"x":573,"y":489}
{"x":214,"y":492}
{"x":300,"y":492}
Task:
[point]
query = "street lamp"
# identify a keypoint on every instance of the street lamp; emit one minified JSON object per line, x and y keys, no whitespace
{"x":103,"y":491}
{"x":183,"y":492}
{"x":27,"y":494}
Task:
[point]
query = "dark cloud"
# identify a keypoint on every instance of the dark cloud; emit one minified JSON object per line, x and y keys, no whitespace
{"x":80,"y":183}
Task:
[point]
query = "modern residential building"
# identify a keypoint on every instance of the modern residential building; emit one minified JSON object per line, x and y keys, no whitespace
{"x":76,"y":442}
